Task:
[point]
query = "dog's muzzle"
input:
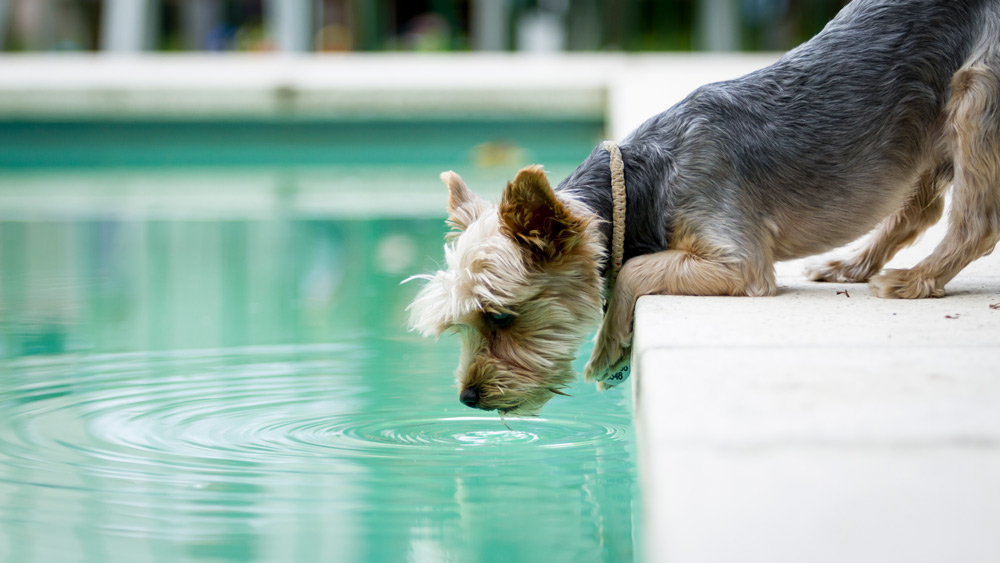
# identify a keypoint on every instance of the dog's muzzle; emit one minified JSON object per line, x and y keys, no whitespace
{"x":470,"y":397}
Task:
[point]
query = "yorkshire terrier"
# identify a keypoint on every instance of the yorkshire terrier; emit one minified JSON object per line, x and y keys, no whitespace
{"x":863,"y":127}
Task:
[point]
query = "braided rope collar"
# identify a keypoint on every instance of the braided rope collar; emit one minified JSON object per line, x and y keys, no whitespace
{"x":618,"y":371}
{"x":618,"y":213}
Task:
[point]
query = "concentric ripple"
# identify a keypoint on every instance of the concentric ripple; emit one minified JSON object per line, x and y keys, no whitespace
{"x":476,"y":432}
{"x":183,"y":446}
{"x":143,"y":415}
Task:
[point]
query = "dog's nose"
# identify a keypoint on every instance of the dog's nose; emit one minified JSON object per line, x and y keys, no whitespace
{"x":469,"y":397}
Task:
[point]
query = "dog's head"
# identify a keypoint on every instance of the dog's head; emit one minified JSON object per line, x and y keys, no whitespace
{"x":522,"y":288}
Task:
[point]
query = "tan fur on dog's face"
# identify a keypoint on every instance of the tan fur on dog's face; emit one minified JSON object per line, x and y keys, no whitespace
{"x":522,"y":288}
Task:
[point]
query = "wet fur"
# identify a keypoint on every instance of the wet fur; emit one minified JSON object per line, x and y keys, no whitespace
{"x":863,"y":127}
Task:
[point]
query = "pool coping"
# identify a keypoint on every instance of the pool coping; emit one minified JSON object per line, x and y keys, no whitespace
{"x":822,"y":424}
{"x":623,"y":89}
{"x":271,"y":85}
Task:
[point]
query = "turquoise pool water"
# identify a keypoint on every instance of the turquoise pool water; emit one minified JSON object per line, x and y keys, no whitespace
{"x":211,"y":378}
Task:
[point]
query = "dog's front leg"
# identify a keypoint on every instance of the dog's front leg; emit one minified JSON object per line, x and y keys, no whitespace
{"x":613,"y":342}
{"x":671,"y":272}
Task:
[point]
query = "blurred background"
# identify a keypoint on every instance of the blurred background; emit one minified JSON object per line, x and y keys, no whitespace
{"x":180,"y":174}
{"x":411,"y":25}
{"x":207,"y":211}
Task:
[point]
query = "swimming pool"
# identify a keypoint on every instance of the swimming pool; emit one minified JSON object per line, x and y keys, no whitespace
{"x":208,"y":363}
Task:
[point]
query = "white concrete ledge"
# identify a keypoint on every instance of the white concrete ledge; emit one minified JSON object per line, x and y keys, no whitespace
{"x":309,"y":86}
{"x":624,"y":89}
{"x":306,"y":86}
{"x":813,"y":426}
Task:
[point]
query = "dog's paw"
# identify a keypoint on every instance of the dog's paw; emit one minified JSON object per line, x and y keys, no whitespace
{"x":597,"y":366}
{"x":904,"y":284}
{"x":618,"y":373}
{"x":612,"y":352}
{"x":608,"y":374}
{"x":613,"y":344}
{"x":839,"y":271}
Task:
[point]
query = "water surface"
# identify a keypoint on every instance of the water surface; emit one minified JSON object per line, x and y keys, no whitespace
{"x":243,"y":389}
{"x":347,"y":451}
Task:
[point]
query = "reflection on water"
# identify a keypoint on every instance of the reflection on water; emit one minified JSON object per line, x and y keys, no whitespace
{"x":244,"y":390}
{"x":114,"y":286}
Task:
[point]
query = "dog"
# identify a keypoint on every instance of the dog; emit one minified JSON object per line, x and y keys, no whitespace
{"x":862,"y":129}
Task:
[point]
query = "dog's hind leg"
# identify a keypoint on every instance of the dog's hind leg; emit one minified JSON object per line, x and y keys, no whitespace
{"x":922,"y":209}
{"x":974,"y":218}
{"x":670,"y":272}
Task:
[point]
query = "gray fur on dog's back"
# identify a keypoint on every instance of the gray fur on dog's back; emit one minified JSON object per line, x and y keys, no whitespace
{"x":812,"y":151}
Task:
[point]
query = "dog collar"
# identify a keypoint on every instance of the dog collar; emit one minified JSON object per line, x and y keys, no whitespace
{"x":618,"y":211}
{"x":619,"y":372}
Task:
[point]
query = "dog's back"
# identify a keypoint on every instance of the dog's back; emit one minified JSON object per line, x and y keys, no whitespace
{"x":843,"y":124}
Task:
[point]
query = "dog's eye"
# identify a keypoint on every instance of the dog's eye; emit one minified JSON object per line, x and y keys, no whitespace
{"x":499,"y":320}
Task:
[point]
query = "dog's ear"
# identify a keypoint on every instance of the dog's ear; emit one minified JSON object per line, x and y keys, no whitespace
{"x":532,"y":216}
{"x":463,"y":205}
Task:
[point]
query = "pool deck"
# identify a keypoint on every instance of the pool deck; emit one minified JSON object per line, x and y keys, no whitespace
{"x":623,"y":89}
{"x":289,"y":86}
{"x":811,"y":426}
